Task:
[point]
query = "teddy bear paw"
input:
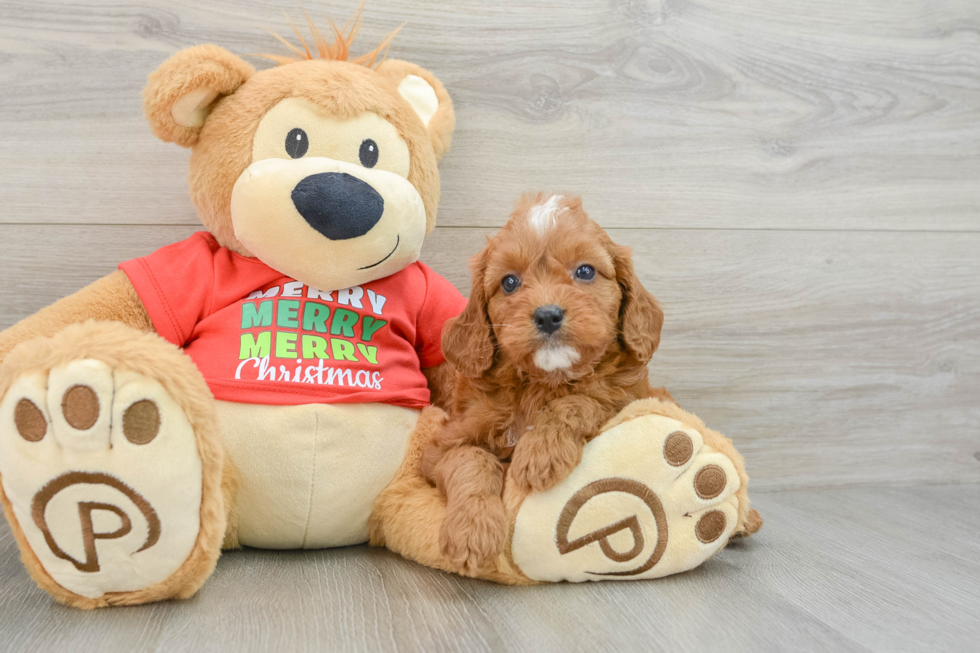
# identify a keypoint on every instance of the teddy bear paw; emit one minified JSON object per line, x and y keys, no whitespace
{"x":102,"y":477}
{"x":649,"y":499}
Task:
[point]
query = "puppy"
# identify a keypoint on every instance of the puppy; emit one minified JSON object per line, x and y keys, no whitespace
{"x":554,"y":342}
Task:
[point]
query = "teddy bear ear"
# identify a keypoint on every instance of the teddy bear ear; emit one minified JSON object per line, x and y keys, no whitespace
{"x":181,"y":92}
{"x":427,"y":96}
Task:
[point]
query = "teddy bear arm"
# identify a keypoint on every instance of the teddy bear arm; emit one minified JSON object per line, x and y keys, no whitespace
{"x":110,"y":299}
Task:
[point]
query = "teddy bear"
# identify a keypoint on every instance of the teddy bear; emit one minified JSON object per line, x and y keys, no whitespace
{"x":269,"y":382}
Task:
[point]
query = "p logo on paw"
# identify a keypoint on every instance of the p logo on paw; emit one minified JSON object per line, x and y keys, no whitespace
{"x":649,"y":499}
{"x":64,"y":533}
{"x":605,"y":535}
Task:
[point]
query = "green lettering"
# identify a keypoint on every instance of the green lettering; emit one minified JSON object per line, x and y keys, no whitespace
{"x":315,"y":317}
{"x":370,"y":326}
{"x":370,"y":353}
{"x":314,"y":347}
{"x":286,"y":313}
{"x":252,"y":348}
{"x":342,"y":350}
{"x":256,"y":316}
{"x":285,"y":344}
{"x":343,"y":323}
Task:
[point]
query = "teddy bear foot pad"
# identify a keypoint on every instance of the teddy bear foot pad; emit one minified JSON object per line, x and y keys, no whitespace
{"x":102,"y":474}
{"x":649,"y":499}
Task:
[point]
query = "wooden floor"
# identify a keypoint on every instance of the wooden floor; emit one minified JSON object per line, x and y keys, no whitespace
{"x":881,"y":569}
{"x":800,"y":182}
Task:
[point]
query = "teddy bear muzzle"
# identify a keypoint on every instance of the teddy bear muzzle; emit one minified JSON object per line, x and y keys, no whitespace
{"x":328,"y":223}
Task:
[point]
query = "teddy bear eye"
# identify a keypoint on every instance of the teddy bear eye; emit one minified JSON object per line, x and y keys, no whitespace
{"x":585,"y":273}
{"x":510,"y":283}
{"x":368,"y":153}
{"x":297,"y":143}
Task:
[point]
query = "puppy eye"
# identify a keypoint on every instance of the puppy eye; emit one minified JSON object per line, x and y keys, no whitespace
{"x":297,"y":143}
{"x":585,"y":273}
{"x":368,"y":153}
{"x":510,"y":283}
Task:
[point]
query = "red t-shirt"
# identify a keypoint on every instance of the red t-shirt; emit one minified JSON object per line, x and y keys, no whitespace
{"x":259,"y":337}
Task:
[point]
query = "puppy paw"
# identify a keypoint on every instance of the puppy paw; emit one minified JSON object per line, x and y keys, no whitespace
{"x":540,"y":464}
{"x":474,"y":533}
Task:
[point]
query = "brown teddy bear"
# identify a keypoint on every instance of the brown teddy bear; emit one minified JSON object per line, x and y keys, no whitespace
{"x":266,"y":382}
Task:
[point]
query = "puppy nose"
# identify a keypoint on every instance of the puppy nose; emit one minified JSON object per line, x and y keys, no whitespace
{"x":548,"y":318}
{"x":338,"y":205}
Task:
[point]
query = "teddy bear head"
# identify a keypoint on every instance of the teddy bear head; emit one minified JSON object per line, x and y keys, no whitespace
{"x":324,"y":168}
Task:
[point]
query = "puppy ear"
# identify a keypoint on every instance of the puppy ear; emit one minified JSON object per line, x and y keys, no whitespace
{"x":428,"y":98}
{"x":640,"y":316}
{"x":467,"y":342}
{"x":181,"y":92}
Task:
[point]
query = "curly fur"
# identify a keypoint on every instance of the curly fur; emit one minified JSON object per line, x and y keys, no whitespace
{"x":503,"y":393}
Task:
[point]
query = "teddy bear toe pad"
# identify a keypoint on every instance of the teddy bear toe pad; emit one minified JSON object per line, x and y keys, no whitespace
{"x":102,"y":472}
{"x":649,"y":499}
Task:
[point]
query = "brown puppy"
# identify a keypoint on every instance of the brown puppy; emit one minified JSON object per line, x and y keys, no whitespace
{"x":554,"y":342}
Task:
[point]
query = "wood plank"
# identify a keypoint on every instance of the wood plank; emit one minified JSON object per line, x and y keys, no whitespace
{"x":831,"y":115}
{"x":830,"y":358}
{"x":831,"y":570}
{"x":894,"y":568}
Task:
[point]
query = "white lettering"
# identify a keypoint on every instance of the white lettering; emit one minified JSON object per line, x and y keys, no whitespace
{"x":351,"y":296}
{"x":292,"y":289}
{"x":266,"y":372}
{"x":238,"y":372}
{"x":316,"y":293}
{"x":377,"y":301}
{"x":333,"y":374}
{"x":312,"y":374}
{"x":258,"y":294}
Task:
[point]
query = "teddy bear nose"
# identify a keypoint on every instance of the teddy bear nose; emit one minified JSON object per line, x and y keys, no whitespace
{"x":338,"y":205}
{"x":548,"y":318}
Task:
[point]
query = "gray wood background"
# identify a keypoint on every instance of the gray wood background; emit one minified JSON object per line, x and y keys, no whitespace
{"x":800,"y":182}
